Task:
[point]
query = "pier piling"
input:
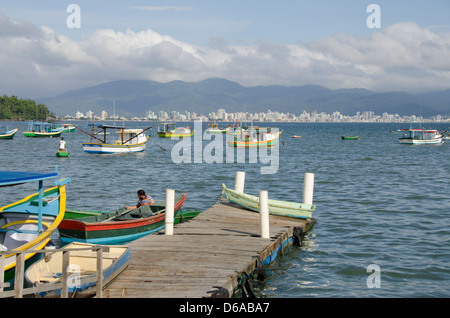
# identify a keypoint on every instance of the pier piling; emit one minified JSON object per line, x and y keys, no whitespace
{"x":264,"y":214}
{"x":239,"y":181}
{"x":308,"y":188}
{"x":170,"y":205}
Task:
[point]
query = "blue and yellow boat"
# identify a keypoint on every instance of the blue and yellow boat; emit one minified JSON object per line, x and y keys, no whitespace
{"x":29,"y":223}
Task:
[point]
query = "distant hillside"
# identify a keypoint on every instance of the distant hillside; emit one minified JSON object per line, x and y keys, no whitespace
{"x":136,"y":97}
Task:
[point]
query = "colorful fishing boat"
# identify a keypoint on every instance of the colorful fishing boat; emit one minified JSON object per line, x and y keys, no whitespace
{"x":43,"y":129}
{"x":182,"y":216}
{"x":128,"y":140}
{"x":29,"y":223}
{"x":256,"y":137}
{"x":81,"y":255}
{"x":117,"y":227}
{"x":214,"y":129}
{"x":68,"y":128}
{"x":9,"y":133}
{"x":276,"y":207}
{"x":350,"y":137}
{"x":420,"y":136}
{"x":169,"y":130}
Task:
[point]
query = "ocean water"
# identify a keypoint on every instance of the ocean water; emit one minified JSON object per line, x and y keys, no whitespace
{"x":379,"y":204}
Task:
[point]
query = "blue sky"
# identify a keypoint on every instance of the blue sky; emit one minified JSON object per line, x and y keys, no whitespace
{"x":237,"y":22}
{"x":286,"y":42}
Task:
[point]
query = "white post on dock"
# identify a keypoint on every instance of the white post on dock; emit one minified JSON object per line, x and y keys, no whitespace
{"x":239,"y":182}
{"x":170,"y":206}
{"x":264,"y":213}
{"x":308,"y":188}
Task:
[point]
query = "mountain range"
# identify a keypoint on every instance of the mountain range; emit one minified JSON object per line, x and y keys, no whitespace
{"x":136,"y":97}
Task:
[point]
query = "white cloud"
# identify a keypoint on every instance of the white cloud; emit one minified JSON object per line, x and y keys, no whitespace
{"x":38,"y":62}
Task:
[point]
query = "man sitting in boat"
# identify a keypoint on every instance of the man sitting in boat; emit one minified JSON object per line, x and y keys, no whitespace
{"x":144,"y":199}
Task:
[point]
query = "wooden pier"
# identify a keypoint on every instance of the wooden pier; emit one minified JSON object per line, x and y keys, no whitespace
{"x":207,"y":256}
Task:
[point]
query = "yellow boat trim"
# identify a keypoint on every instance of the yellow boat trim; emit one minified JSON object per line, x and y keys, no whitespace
{"x":44,"y":238}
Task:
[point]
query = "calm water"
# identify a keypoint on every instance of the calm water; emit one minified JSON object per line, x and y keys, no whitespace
{"x":378,"y":202}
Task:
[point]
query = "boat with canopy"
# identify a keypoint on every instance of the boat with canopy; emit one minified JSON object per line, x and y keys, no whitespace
{"x":29,"y":223}
{"x":128,"y":140}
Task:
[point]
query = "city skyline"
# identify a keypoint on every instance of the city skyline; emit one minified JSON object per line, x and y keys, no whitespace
{"x":269,"y":116}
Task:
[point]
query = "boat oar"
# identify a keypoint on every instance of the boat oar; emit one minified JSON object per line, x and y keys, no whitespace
{"x":118,"y":215}
{"x":161,"y":147}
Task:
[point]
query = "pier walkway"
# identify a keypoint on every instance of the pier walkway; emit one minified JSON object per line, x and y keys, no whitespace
{"x":206,"y":257}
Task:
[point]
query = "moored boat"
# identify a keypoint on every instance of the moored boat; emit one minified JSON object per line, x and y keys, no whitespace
{"x":214,"y":129}
{"x":420,"y":136}
{"x":43,"y":129}
{"x":9,"y":133}
{"x":276,"y":207}
{"x":128,"y":140}
{"x":256,"y":137}
{"x":117,"y":227}
{"x":29,"y":223}
{"x":182,"y":216}
{"x":68,"y":128}
{"x":169,"y":130}
{"x":83,"y":260}
{"x":349,"y":137}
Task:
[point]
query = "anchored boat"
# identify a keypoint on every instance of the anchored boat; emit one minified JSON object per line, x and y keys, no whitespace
{"x":168,"y":130}
{"x":68,"y":128}
{"x":28,"y":224}
{"x":420,"y":136}
{"x":43,"y":129}
{"x":117,"y":227}
{"x":184,"y":215}
{"x":276,"y":207}
{"x":350,"y":137}
{"x":8,"y":134}
{"x":256,"y":137}
{"x":115,"y":259}
{"x":128,"y":140}
{"x":214,"y":129}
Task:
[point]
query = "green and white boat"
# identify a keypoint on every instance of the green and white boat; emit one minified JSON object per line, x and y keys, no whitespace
{"x":276,"y":207}
{"x":43,"y":129}
{"x":8,"y":134}
{"x":68,"y":128}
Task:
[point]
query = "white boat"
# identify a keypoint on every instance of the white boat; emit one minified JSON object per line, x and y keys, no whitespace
{"x":256,"y":137}
{"x":420,"y":136}
{"x":83,"y":263}
{"x":68,"y":128}
{"x":214,"y":129}
{"x":128,"y":141}
{"x":169,"y":130}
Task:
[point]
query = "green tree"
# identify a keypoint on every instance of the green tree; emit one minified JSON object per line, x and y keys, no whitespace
{"x":13,"y":108}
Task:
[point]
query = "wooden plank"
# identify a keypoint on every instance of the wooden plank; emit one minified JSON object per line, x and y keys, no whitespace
{"x":211,"y":250}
